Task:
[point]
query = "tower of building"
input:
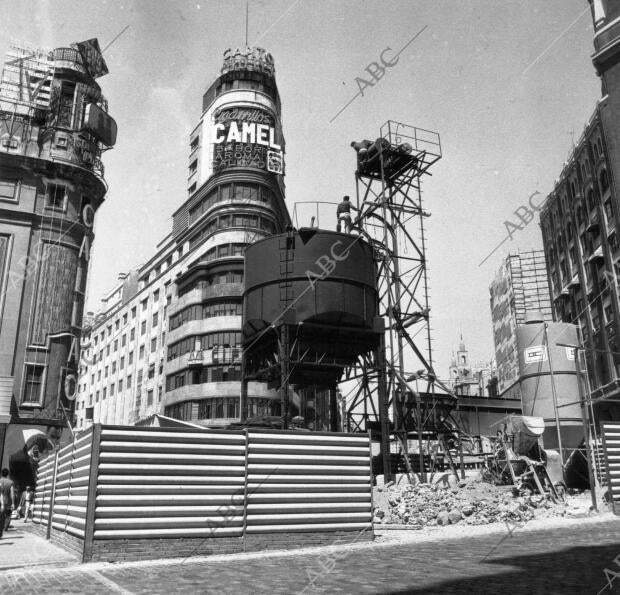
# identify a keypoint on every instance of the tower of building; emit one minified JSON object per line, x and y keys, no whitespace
{"x":53,"y":128}
{"x":168,"y":338}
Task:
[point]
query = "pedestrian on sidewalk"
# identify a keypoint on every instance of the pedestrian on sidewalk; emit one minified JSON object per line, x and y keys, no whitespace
{"x":28,"y":503}
{"x":7,"y":500}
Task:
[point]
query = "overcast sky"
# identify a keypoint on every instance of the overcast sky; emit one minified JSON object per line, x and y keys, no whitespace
{"x":508,"y":85}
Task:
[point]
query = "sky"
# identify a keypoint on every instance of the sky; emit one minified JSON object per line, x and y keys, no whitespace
{"x":508,"y":86}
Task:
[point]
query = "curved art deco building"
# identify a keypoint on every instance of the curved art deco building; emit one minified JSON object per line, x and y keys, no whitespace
{"x":53,"y":128}
{"x":236,"y":187}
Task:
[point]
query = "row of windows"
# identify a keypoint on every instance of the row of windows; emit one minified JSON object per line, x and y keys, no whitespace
{"x":219,"y":408}
{"x":203,"y":375}
{"x":134,"y":312}
{"x":206,"y":341}
{"x":200,"y":312}
{"x":228,"y":221}
{"x":220,"y":278}
{"x":236,"y":192}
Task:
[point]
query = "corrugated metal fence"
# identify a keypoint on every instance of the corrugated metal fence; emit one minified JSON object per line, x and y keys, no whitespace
{"x":71,"y":468}
{"x":610,"y":433}
{"x":122,"y":483}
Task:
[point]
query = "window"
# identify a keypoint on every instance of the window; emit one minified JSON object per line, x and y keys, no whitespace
{"x":120,"y":386}
{"x":112,"y":389}
{"x":8,"y":190}
{"x":33,"y":383}
{"x":155,"y":319}
{"x":130,"y":358}
{"x":106,"y":372}
{"x":129,"y":381}
{"x":149,"y":397}
{"x":55,"y":197}
{"x":132,"y":334}
{"x":141,"y":353}
{"x":99,"y":376}
{"x":117,"y":324}
{"x":113,"y":367}
{"x":194,"y":144}
{"x":97,"y":397}
{"x":145,"y":304}
{"x":115,"y":344}
{"x":123,"y":340}
{"x":143,"y":327}
{"x":125,"y":319}
{"x":122,"y":362}
{"x":193,"y":166}
{"x":153,"y":345}
{"x":107,"y":350}
{"x":159,"y":393}
{"x":133,"y":312}
{"x":156,"y":296}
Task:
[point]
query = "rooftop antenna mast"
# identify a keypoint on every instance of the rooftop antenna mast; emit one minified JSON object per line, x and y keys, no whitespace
{"x":247,"y":10}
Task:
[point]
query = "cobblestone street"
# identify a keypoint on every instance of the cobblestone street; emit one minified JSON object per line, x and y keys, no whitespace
{"x":566,"y":560}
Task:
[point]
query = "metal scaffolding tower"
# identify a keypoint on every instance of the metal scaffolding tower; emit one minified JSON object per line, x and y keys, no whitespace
{"x":399,"y":375}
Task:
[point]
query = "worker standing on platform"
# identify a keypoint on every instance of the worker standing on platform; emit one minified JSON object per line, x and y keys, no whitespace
{"x":344,"y":215}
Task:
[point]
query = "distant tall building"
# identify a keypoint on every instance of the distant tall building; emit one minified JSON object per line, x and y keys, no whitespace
{"x":520,"y":286}
{"x":168,"y":338}
{"x":579,"y":223}
{"x":53,"y":128}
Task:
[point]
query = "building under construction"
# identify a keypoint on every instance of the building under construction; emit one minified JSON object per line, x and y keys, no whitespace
{"x":520,"y":286}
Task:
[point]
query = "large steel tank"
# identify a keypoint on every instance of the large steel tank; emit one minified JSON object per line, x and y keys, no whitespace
{"x":322,"y":284}
{"x":545,"y":364}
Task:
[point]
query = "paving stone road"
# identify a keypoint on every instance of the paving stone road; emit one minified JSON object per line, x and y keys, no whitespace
{"x":566,"y":560}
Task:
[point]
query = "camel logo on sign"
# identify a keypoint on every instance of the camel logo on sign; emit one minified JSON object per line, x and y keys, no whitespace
{"x":535,"y":353}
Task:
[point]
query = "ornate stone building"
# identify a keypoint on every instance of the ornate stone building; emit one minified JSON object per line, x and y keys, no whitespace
{"x":53,"y":128}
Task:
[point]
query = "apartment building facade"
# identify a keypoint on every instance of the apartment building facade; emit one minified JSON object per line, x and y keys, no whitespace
{"x":579,"y":223}
{"x":168,"y":339}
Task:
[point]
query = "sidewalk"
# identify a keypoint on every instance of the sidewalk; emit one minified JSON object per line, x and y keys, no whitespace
{"x":20,"y":548}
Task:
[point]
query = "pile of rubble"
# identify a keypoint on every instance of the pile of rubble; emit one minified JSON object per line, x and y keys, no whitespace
{"x":469,"y":502}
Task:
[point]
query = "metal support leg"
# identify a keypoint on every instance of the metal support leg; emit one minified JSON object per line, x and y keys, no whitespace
{"x":383,"y":410}
{"x":284,"y":372}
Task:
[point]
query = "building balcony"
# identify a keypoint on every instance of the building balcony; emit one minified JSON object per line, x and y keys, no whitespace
{"x":597,"y":254}
{"x":212,"y":390}
{"x":593,"y":222}
{"x":197,"y":296}
{"x":202,"y":326}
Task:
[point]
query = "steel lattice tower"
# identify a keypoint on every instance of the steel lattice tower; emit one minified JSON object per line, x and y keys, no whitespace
{"x":390,"y":216}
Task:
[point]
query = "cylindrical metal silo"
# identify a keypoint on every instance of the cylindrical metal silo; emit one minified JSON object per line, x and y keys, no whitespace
{"x":546,"y":367}
{"x":309,"y":310}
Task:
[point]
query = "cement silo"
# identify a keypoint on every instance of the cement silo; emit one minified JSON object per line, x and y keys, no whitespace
{"x":549,"y":381}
